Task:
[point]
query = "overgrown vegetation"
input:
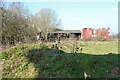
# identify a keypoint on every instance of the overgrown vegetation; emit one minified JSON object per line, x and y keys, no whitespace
{"x":19,"y":25}
{"x":46,"y":21}
{"x":99,"y":59}
{"x":97,"y":38}
{"x":40,"y":60}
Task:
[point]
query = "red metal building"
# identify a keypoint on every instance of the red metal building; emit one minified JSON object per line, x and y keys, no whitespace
{"x":89,"y":32}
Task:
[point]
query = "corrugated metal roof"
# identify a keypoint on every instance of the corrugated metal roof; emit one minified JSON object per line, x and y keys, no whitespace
{"x":68,"y":31}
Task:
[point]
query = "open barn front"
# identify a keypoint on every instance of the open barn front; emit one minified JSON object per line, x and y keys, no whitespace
{"x":66,"y":34}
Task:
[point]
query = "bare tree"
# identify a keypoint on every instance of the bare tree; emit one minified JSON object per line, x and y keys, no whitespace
{"x":17,"y":23}
{"x":46,"y":21}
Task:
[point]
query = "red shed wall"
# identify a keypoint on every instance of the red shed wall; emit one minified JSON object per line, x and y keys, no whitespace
{"x":86,"y":33}
{"x":89,"y":32}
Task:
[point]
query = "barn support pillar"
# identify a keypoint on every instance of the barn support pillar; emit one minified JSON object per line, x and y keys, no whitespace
{"x":59,"y":35}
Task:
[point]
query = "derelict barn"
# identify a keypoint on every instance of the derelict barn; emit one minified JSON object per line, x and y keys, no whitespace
{"x":86,"y":33}
{"x":62,"y":35}
{"x":77,"y":34}
{"x":67,"y":34}
{"x":89,"y":32}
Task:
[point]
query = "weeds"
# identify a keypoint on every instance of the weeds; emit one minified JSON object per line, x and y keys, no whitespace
{"x":43,"y":62}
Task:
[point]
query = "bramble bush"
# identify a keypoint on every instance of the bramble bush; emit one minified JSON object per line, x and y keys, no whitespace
{"x":97,"y":38}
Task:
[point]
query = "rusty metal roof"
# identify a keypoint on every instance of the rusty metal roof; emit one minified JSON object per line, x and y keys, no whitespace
{"x":68,"y":31}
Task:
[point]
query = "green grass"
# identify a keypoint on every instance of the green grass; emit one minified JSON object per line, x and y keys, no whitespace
{"x":93,"y":47}
{"x":40,"y":61}
{"x":101,"y":48}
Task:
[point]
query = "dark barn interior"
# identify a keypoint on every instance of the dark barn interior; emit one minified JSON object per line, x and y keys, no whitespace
{"x":67,"y":34}
{"x":62,"y":35}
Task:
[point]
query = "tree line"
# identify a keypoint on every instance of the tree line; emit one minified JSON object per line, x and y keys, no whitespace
{"x":18,"y":24}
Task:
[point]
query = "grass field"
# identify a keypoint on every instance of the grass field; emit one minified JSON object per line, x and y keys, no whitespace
{"x":99,"y":59}
{"x":93,"y":47}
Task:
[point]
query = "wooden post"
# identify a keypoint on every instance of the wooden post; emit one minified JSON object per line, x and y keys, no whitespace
{"x":58,"y":36}
{"x":73,"y":47}
{"x":50,"y":37}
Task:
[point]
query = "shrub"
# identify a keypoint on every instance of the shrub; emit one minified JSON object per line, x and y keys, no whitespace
{"x":5,"y":55}
{"x":87,"y":39}
{"x":43,"y":46}
{"x":21,"y":54}
{"x":97,"y":38}
{"x":26,"y":63}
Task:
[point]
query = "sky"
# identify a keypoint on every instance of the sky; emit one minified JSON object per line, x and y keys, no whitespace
{"x":78,"y":15}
